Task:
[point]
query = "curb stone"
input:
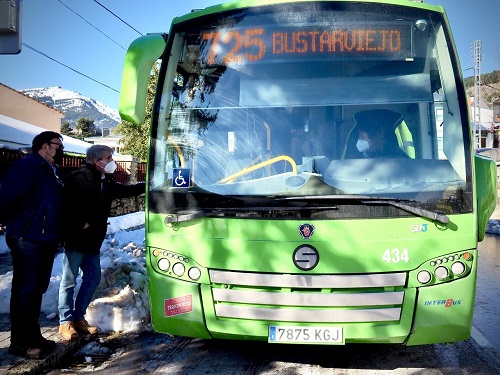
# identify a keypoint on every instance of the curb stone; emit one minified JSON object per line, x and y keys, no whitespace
{"x":14,"y":365}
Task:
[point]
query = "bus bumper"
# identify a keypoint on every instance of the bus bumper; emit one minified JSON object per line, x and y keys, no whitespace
{"x":176,"y":308}
{"x":443,"y":313}
{"x":433,"y":314}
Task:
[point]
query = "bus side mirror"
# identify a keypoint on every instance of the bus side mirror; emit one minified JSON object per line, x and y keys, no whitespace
{"x":139,"y":60}
{"x":486,"y":191}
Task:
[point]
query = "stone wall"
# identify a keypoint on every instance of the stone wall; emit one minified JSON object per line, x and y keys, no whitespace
{"x":125,"y":206}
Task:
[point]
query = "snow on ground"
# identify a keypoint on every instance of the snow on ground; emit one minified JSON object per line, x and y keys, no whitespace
{"x":121,"y":303}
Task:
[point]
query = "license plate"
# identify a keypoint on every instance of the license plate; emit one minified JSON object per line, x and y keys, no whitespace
{"x":295,"y":334}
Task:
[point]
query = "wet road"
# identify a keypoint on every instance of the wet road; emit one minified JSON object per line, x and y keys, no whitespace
{"x":486,"y":323}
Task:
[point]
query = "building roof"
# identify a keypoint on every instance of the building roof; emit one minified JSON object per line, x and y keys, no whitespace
{"x":482,"y":127}
{"x":29,"y":97}
{"x":15,"y":134}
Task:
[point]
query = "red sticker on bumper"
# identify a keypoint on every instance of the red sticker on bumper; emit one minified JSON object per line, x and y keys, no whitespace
{"x":178,"y":305}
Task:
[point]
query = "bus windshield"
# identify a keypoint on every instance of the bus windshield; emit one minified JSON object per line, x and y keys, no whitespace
{"x":321,"y":100}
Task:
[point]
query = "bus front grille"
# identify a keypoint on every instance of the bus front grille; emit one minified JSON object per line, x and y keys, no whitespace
{"x":308,"y":298}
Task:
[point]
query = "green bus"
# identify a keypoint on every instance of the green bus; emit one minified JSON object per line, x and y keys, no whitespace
{"x":312,"y":176}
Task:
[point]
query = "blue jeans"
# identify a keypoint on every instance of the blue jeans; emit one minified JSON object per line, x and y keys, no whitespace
{"x":32,"y":265}
{"x":71,"y":310}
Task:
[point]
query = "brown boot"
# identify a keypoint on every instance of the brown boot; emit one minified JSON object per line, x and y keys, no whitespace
{"x":82,"y":326}
{"x":68,"y":332}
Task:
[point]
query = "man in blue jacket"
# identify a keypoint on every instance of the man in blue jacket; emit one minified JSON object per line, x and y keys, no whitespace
{"x":88,"y":195}
{"x":31,"y":206}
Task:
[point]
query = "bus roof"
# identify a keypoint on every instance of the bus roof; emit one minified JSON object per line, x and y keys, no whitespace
{"x":238,"y":4}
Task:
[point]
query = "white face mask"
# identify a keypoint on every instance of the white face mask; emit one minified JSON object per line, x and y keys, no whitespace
{"x":110,"y":167}
{"x":362,"y":145}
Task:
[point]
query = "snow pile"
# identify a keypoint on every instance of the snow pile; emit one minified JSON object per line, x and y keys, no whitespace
{"x":121,"y":303}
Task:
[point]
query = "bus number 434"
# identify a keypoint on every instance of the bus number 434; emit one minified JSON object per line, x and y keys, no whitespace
{"x":396,"y":256}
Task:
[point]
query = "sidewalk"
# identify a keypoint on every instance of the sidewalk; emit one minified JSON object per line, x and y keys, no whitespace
{"x":10,"y":364}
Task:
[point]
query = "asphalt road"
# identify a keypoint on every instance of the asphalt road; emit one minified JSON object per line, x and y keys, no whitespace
{"x":152,"y":353}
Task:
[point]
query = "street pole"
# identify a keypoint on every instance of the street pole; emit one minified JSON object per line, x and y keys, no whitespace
{"x":477,"y":94}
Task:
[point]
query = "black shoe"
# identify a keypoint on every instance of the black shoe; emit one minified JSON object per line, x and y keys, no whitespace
{"x":21,"y":351}
{"x":45,"y":345}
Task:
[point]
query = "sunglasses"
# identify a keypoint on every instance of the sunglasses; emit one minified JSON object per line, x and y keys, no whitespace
{"x":61,"y":147}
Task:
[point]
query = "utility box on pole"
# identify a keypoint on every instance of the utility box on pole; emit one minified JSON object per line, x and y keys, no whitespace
{"x":10,"y":26}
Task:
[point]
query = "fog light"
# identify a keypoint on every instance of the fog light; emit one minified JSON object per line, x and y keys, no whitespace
{"x":178,"y":269}
{"x":458,"y":268}
{"x":424,"y":277}
{"x":163,"y":264}
{"x":441,"y":273}
{"x":194,"y":273}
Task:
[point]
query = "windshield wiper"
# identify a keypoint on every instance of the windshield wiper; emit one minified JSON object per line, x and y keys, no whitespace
{"x":187,"y":215}
{"x":366,"y":199}
{"x":440,"y":218}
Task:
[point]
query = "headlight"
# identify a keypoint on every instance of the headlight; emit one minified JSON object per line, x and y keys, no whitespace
{"x":424,"y":277}
{"x":441,"y":273}
{"x":178,"y":269}
{"x":458,"y":268}
{"x":163,"y":264}
{"x":194,"y":273}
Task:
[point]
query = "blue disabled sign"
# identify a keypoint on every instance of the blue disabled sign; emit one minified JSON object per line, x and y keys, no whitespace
{"x":181,"y":178}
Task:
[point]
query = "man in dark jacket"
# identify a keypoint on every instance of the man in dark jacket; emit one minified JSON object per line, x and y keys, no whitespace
{"x":31,"y":206}
{"x":88,"y":196}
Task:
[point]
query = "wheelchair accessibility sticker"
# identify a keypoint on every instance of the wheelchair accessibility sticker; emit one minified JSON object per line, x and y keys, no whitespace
{"x":181,"y":178}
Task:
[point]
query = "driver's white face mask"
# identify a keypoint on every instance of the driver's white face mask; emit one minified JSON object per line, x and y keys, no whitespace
{"x":362,"y":145}
{"x":110,"y":167}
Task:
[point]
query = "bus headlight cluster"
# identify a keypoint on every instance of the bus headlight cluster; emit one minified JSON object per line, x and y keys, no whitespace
{"x":447,"y":267}
{"x":176,"y":264}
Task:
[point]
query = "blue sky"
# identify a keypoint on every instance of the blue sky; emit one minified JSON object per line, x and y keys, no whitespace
{"x":50,"y":27}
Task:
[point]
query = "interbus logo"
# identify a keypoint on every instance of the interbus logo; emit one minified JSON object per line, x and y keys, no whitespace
{"x":443,"y":302}
{"x":305,"y":257}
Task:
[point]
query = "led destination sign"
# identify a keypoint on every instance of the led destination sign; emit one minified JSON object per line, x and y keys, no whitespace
{"x":387,"y":42}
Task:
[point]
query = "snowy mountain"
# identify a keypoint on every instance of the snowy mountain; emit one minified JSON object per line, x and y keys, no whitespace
{"x":76,"y":106}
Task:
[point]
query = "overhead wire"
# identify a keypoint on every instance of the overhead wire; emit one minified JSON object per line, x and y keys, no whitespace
{"x":69,"y":67}
{"x":102,"y":32}
{"x":74,"y":70}
{"x":119,"y":18}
